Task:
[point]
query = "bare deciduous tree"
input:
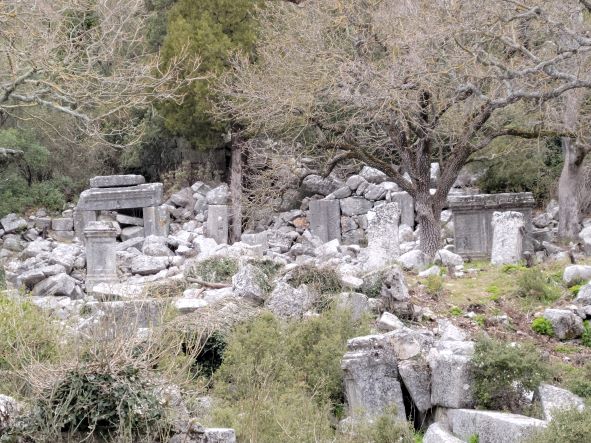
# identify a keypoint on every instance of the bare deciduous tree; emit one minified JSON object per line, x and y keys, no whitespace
{"x":395,"y":83}
{"x":87,"y":60}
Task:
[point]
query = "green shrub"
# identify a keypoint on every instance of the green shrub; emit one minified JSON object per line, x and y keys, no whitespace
{"x":474,"y":438}
{"x":434,"y":285}
{"x":101,"y":400}
{"x":279,"y":381}
{"x":17,"y":196}
{"x":534,"y":284}
{"x":586,"y":337}
{"x":577,"y":379}
{"x":569,"y":426}
{"x":456,"y":311}
{"x":372,"y":283}
{"x":574,"y":290}
{"x":542,"y":326}
{"x":510,"y":268}
{"x":503,"y":372}
{"x":215,"y":269}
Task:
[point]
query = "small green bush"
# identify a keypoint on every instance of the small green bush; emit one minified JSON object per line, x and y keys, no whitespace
{"x":434,"y":285}
{"x":571,"y":426}
{"x":586,"y":337}
{"x":215,"y":269}
{"x":574,"y":290}
{"x":99,"y":400}
{"x":578,"y":380}
{"x":456,"y":311}
{"x":533,"y":284}
{"x":280,"y":381}
{"x":510,"y":268}
{"x":542,"y":326}
{"x":474,"y":438}
{"x":504,"y":372}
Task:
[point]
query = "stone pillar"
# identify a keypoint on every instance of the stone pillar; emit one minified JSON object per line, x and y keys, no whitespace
{"x":382,"y":236}
{"x":507,"y":244}
{"x":325,"y":219}
{"x":407,"y":207}
{"x":101,"y":260}
{"x":156,"y":221}
{"x":217,"y":223}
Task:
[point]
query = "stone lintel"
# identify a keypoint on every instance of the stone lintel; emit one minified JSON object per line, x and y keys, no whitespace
{"x":141,"y":196}
{"x":114,"y":181}
{"x":476,"y":202}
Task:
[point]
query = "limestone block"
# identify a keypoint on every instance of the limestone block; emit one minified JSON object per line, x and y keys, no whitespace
{"x":354,"y":302}
{"x":13,"y":223}
{"x":409,"y":343}
{"x":219,"y":195}
{"x":371,"y":378}
{"x":261,"y":238}
{"x":146,"y":265}
{"x":217,"y":223}
{"x":188,"y":305}
{"x":584,"y":296}
{"x":407,"y":207}
{"x":140,"y":196}
{"x":416,"y":376}
{"x":249,"y":283}
{"x":315,"y":184}
{"x":576,"y":273}
{"x":554,"y":399}
{"x":355,"y":206}
{"x":62,"y":224}
{"x":325,"y":219}
{"x":373,"y":175}
{"x":382,"y":237}
{"x":414,"y":260}
{"x":436,"y":433}
{"x":113,"y":181}
{"x":565,"y":323}
{"x":451,"y":374}
{"x":101,"y":257}
{"x":129,"y":220}
{"x":492,"y":427}
{"x":289,"y":302}
{"x":56,"y":285}
{"x":389,"y":322}
{"x":508,"y":231}
{"x":131,"y":232}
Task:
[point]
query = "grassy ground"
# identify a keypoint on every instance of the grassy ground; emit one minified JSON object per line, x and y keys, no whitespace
{"x":486,"y":292}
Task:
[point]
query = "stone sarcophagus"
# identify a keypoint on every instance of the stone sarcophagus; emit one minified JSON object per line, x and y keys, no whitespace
{"x":473,"y":214}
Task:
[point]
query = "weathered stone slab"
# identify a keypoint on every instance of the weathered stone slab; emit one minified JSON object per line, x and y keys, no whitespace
{"x":371,"y":377}
{"x":156,"y":221}
{"x":407,"y":207}
{"x":472,"y":220}
{"x":101,"y":258}
{"x":141,"y":196}
{"x":62,"y":224}
{"x":128,"y":220}
{"x":325,"y":219}
{"x":114,"y":181}
{"x":451,"y":374}
{"x":382,"y":237}
{"x":492,"y":427}
{"x":507,"y":245}
{"x":554,"y":399}
{"x":438,"y":434}
{"x":217,"y":223}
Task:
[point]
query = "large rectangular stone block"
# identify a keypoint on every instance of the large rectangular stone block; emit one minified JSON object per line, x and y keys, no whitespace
{"x":217,"y":223}
{"x":472,"y":216}
{"x":325,"y":219}
{"x":114,"y":181}
{"x":140,"y":196}
{"x":407,"y":208}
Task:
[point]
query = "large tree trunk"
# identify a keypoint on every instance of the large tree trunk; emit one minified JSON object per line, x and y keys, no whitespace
{"x":236,"y":191}
{"x":571,"y":180}
{"x":428,"y":217}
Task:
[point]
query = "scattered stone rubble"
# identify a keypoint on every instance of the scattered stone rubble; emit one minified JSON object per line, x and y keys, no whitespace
{"x":122,"y":242}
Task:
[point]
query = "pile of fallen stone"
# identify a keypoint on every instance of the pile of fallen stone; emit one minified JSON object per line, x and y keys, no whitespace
{"x":428,"y":374}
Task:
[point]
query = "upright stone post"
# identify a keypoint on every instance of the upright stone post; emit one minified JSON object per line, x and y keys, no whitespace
{"x":507,"y":244}
{"x":383,"y":245}
{"x":406,"y":205}
{"x":101,"y":260}
{"x":217,"y":223}
{"x":81,"y":219}
{"x":325,"y":219}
